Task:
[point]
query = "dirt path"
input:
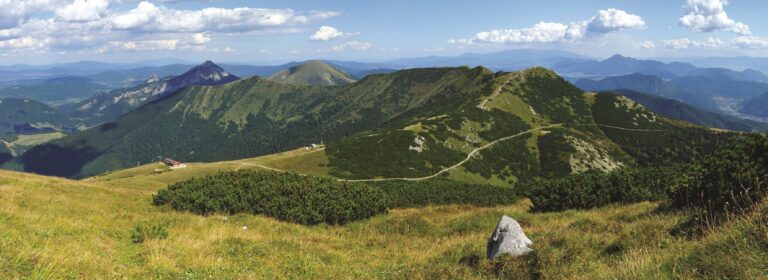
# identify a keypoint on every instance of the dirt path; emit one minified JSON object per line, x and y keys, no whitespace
{"x":468,"y":158}
{"x":244,"y":164}
{"x":258,"y":165}
{"x":622,"y":128}
{"x":484,"y":104}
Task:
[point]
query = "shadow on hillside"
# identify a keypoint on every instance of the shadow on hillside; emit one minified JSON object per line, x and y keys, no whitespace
{"x":5,"y":157}
{"x":55,"y":160}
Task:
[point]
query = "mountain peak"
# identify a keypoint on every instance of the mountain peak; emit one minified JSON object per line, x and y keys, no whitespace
{"x":208,"y":71}
{"x":618,"y":57}
{"x":208,"y":63}
{"x":313,"y":72}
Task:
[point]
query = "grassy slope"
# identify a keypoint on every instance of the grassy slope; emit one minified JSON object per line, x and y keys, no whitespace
{"x":56,"y":228}
{"x":156,"y":176}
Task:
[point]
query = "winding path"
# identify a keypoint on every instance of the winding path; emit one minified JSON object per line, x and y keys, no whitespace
{"x":469,"y":157}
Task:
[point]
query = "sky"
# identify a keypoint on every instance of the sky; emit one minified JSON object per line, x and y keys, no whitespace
{"x":271,"y":31}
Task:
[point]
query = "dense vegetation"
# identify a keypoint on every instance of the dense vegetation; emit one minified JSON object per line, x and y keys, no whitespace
{"x":408,"y":194}
{"x":732,"y":180}
{"x":651,"y":140}
{"x":289,"y":197}
{"x":594,"y":189}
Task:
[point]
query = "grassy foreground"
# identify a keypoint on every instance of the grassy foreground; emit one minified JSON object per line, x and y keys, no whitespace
{"x":55,"y":228}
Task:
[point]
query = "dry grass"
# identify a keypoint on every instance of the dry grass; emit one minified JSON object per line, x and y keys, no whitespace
{"x":56,"y":228}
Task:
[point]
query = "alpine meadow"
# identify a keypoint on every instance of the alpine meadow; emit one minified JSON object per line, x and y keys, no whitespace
{"x":303,"y":139}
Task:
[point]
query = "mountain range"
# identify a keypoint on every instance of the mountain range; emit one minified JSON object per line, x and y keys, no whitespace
{"x":467,"y":124}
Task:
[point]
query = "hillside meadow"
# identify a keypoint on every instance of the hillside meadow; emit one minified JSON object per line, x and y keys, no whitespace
{"x":63,"y":229}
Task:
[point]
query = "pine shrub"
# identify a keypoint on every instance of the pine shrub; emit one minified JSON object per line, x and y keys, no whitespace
{"x":289,"y":197}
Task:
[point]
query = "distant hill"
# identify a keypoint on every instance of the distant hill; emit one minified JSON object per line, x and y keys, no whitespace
{"x":680,"y":111}
{"x":573,"y":65}
{"x":621,"y":65}
{"x":711,"y":93}
{"x":54,"y":91}
{"x":467,"y":124}
{"x":313,"y":72}
{"x":514,"y":59}
{"x":28,"y":116}
{"x":125,"y":78}
{"x":110,"y":105}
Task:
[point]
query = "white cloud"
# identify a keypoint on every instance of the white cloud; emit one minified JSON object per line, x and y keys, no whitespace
{"x":713,"y":43}
{"x":12,"y":12}
{"x":83,"y":10}
{"x":351,"y":45}
{"x":25,"y":43}
{"x":88,"y":25}
{"x":326,"y":33}
{"x":148,"y":45}
{"x":647,"y":45}
{"x":200,"y":38}
{"x":685,"y":43}
{"x":614,"y":20}
{"x":606,"y":21}
{"x":710,"y":15}
{"x":148,"y":17}
{"x":750,"y":42}
{"x":542,"y":32}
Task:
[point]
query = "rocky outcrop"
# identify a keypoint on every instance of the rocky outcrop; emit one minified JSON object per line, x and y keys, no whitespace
{"x":508,"y":238}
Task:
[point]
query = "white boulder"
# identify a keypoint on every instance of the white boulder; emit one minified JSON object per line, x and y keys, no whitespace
{"x":508,"y":238}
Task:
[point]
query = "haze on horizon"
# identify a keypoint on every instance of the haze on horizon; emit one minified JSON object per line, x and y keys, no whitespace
{"x":57,"y":31}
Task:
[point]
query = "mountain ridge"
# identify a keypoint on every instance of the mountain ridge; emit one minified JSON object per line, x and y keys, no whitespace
{"x":410,"y":123}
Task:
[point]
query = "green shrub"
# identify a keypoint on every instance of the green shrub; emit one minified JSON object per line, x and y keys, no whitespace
{"x":593,"y":189}
{"x":731,"y":180}
{"x":142,"y":232}
{"x":289,"y":197}
{"x":406,"y":194}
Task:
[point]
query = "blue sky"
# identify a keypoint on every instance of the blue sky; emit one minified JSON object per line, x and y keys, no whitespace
{"x":270,"y":31}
